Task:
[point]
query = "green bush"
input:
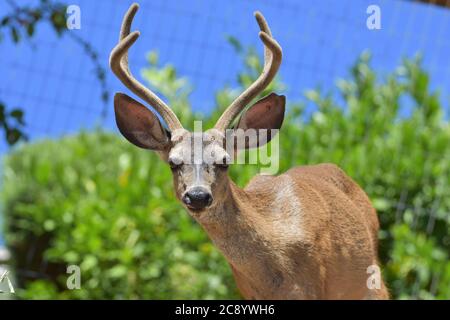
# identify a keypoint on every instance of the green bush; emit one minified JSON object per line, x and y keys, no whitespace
{"x":98,"y":202}
{"x":95,"y":201}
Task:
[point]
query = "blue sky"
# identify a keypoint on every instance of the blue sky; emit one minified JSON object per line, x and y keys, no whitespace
{"x":53,"y":80}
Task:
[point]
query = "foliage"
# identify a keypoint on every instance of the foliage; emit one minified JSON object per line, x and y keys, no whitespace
{"x":12,"y":123}
{"x":23,"y":20}
{"x":21,"y":25}
{"x":118,"y":220}
{"x":96,"y":201}
{"x":400,"y":158}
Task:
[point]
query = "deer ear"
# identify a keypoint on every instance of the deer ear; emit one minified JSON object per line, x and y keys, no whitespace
{"x":267,"y":113}
{"x":138,"y":124}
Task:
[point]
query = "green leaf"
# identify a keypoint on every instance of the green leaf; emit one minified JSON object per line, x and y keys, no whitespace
{"x":30,"y":29}
{"x":17,"y":114}
{"x":13,"y":135}
{"x":235,"y":43}
{"x":15,"y":34}
{"x":5,"y":21}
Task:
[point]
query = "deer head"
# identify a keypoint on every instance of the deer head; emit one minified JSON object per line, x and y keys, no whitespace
{"x":199,"y":160}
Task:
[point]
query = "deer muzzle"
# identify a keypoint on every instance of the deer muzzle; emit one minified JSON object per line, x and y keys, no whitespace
{"x":197,"y":198}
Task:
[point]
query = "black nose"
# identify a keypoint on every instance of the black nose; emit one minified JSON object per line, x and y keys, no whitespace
{"x":197,"y":198}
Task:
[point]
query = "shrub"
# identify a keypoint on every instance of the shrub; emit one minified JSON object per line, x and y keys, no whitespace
{"x":95,"y":201}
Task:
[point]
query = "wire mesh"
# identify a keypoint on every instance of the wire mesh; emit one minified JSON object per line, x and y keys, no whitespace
{"x":52,"y":79}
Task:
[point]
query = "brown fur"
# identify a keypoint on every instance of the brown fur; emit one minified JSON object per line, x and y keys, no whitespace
{"x":309,"y":233}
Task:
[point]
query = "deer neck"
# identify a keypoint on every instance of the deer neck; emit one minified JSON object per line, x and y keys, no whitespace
{"x":237,"y":230}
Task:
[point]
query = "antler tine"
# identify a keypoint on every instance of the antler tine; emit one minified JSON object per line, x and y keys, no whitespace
{"x":118,"y":62}
{"x":264,"y":27}
{"x":125,"y":31}
{"x":272,"y":61}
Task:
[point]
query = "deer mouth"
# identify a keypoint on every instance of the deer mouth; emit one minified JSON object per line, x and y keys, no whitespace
{"x":196,"y":212}
{"x":196,"y":209}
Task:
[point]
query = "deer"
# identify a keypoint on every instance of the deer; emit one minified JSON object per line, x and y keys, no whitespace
{"x":307,"y":233}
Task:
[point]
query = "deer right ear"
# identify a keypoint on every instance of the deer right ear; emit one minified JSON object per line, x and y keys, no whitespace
{"x":139,"y":125}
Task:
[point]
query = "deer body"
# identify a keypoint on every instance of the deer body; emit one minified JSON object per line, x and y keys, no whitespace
{"x":310,"y":233}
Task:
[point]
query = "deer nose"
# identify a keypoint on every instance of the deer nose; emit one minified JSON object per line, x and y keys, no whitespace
{"x":197,"y":198}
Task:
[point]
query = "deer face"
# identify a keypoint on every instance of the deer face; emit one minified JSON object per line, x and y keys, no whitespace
{"x":198,"y":160}
{"x":199,"y":164}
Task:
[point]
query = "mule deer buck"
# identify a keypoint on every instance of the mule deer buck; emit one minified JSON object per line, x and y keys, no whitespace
{"x":309,"y":233}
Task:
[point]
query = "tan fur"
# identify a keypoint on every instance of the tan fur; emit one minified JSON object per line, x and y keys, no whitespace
{"x":310,"y":233}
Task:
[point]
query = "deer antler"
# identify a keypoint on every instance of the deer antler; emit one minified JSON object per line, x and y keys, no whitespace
{"x":272,"y":61}
{"x":118,"y":62}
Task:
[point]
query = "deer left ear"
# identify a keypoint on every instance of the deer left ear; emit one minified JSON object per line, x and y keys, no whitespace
{"x":139,"y":125}
{"x":267,"y":113}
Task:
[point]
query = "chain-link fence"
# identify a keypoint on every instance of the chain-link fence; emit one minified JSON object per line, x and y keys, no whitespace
{"x":53,"y":80}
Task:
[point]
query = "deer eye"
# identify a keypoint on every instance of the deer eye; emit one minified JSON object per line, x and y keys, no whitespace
{"x":223,"y":163}
{"x":175,"y":164}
